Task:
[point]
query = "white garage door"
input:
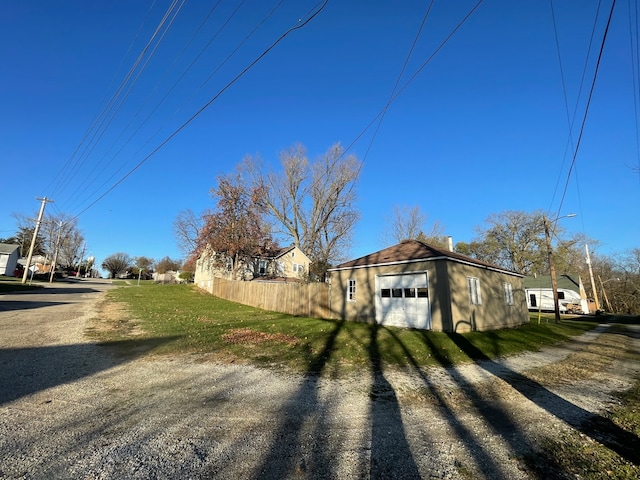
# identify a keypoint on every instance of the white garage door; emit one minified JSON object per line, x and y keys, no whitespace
{"x":403,"y":300}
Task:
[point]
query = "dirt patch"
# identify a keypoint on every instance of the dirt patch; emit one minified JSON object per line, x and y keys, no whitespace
{"x":113,"y":319}
{"x":244,"y":336}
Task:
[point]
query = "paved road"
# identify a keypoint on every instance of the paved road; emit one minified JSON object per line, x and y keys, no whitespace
{"x":73,"y":409}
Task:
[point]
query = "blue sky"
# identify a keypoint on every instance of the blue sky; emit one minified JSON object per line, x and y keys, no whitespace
{"x":481,"y":129}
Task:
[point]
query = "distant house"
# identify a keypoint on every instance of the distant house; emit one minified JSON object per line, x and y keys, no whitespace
{"x":9,"y":255}
{"x":572,"y":297}
{"x":289,"y":263}
{"x":421,"y":286}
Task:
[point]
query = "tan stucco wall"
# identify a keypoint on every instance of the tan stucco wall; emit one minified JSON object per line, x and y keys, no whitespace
{"x":493,"y":312}
{"x":449,"y":302}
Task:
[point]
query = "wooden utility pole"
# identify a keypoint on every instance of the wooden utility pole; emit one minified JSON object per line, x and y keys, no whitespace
{"x":552,"y":269}
{"x":55,"y":255}
{"x":84,"y":245}
{"x":35,"y":235}
{"x":593,"y":283}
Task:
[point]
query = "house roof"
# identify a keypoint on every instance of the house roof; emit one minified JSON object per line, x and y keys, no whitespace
{"x":8,"y":248}
{"x":566,"y":281}
{"x":279,"y":252}
{"x":409,"y":251}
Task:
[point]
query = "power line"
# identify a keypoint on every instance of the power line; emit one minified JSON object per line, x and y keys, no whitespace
{"x":415,"y":75}
{"x":395,"y":87}
{"x":301,"y":23}
{"x":586,"y":110}
{"x":106,"y":116}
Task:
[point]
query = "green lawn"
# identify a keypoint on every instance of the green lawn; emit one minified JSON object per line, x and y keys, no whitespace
{"x":13,"y":284}
{"x":190,"y":321}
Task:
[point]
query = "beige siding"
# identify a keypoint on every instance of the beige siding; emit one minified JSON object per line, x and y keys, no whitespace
{"x":451,"y":309}
{"x":363,"y":308}
{"x":288,"y":259}
{"x":493,"y":312}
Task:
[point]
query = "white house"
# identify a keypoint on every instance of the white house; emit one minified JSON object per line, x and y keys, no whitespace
{"x":9,"y":255}
{"x":572,"y":297}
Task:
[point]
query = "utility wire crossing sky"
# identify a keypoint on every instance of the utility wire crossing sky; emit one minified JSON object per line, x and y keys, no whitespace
{"x":125,"y":113}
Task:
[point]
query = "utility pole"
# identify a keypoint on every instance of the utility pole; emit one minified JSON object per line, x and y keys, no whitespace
{"x":55,"y":255}
{"x":593,"y":283}
{"x":552,"y":269}
{"x":35,"y":235}
{"x":84,"y":245}
{"x":552,"y":265}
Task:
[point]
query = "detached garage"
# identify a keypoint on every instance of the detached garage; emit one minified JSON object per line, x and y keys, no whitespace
{"x":415,"y":285}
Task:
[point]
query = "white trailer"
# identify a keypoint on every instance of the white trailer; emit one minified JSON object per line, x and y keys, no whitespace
{"x":569,"y":301}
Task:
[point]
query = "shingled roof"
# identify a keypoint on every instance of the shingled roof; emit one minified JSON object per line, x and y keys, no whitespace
{"x":409,"y":251}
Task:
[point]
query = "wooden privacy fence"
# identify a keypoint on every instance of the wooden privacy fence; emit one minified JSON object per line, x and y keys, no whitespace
{"x":302,"y":299}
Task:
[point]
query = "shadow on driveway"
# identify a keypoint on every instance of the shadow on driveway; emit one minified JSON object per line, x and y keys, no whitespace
{"x":25,"y":371}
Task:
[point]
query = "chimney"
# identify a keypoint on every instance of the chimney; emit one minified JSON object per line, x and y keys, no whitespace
{"x":450,"y":243}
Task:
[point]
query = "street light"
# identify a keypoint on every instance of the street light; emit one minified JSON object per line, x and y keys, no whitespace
{"x":552,"y":266}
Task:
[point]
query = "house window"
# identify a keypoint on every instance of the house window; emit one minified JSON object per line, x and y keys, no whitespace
{"x":508,"y":293}
{"x":351,"y":291}
{"x":263,"y":267}
{"x":533,"y":300}
{"x":297,"y":268}
{"x":560,"y":295}
{"x":409,"y":293}
{"x":423,"y":292}
{"x":385,"y":293}
{"x":396,"y":292}
{"x":473,"y":285}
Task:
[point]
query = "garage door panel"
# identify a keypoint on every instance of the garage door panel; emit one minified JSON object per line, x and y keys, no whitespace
{"x":402,"y":300}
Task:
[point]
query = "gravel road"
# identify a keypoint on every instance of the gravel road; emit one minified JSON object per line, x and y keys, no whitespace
{"x":73,"y":409}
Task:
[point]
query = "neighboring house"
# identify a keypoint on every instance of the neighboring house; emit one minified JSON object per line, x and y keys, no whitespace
{"x":282,"y":264}
{"x":9,"y":255}
{"x":416,"y":285}
{"x":169,"y":276}
{"x":287,"y":262}
{"x":572,"y":297}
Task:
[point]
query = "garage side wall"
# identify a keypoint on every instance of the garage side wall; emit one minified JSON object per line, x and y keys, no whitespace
{"x":494,"y":310}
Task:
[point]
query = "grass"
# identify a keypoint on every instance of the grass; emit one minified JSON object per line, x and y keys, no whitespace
{"x":575,"y":455}
{"x":225,"y":331}
{"x":13,"y":284}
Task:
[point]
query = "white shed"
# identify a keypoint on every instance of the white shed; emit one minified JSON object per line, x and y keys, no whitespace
{"x":9,"y":255}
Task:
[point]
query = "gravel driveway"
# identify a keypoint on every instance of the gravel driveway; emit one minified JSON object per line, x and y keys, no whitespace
{"x":73,"y":409}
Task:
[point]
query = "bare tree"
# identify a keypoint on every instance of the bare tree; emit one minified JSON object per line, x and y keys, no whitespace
{"x":312,"y":203}
{"x":407,"y":223}
{"x":515,"y":240}
{"x":186,"y":228}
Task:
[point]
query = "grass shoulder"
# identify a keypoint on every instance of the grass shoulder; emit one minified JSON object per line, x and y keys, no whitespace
{"x":219,"y":330}
{"x":572,"y":454}
{"x":13,"y":284}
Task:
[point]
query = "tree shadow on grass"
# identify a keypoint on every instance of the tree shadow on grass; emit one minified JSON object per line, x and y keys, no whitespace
{"x":25,"y":371}
{"x":595,"y":426}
